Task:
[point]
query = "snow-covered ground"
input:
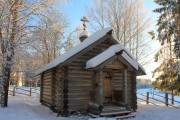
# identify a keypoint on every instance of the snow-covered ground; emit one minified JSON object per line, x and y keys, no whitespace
{"x":157,"y":95}
{"x":22,"y":107}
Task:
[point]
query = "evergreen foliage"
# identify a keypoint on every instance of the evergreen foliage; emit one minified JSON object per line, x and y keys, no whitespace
{"x":168,"y":31}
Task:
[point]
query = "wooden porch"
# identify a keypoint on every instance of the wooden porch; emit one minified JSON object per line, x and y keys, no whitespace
{"x":118,"y":110}
{"x":113,"y":91}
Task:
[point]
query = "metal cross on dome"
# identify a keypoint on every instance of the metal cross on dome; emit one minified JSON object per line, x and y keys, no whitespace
{"x":84,"y":19}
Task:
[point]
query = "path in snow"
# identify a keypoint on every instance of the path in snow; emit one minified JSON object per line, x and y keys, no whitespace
{"x":29,"y":108}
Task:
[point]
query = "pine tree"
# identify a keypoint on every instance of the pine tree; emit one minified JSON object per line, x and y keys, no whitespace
{"x":177,"y":29}
{"x":168,"y":32}
{"x":169,"y":23}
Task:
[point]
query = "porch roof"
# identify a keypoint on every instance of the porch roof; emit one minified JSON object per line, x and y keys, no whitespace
{"x":112,"y":51}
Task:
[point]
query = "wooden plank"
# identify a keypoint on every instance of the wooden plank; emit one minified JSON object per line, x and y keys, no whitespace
{"x":80,"y":85}
{"x":47,"y":83}
{"x":77,"y":76}
{"x":46,"y":97}
{"x":46,"y":90}
{"x":72,"y":91}
{"x":71,"y":98}
{"x":47,"y":93}
{"x":115,"y":113}
{"x":88,"y":72}
{"x":46,"y":87}
{"x":79,"y":79}
{"x":125,"y":86}
{"x":47,"y":80}
{"x":47,"y":74}
{"x":47,"y":77}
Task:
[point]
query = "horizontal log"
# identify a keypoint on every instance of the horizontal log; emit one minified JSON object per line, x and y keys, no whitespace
{"x":46,"y":87}
{"x":47,"y":100}
{"x":76,"y":68}
{"x":46,"y":97}
{"x":79,"y":94}
{"x":117,"y":75}
{"x":47,"y":77}
{"x":79,"y":79}
{"x":78,"y":103}
{"x":117,"y":88}
{"x":46,"y":80}
{"x":85,"y":88}
{"x":59,"y":90}
{"x":79,"y":84}
{"x":78,"y":64}
{"x":72,"y":98}
{"x":47,"y":93}
{"x":79,"y":76}
{"x":59,"y":94}
{"x":118,"y":81}
{"x":78,"y":108}
{"x":80,"y":72}
{"x":59,"y":104}
{"x":46,"y":83}
{"x":116,"y":78}
{"x":47,"y":74}
{"x":60,"y":98}
{"x":46,"y":90}
{"x":78,"y":90}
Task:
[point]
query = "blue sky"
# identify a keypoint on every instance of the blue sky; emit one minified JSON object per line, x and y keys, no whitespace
{"x":75,"y":9}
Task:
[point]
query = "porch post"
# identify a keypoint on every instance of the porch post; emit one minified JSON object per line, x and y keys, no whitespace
{"x":100,"y":88}
{"x":125,"y":86}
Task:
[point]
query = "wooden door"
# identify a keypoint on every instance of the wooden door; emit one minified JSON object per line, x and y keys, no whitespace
{"x":107,"y":88}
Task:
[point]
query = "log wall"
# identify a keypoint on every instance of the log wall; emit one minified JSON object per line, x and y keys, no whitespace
{"x":59,"y":77}
{"x":80,"y":80}
{"x":117,"y":85}
{"x":131,"y":90}
{"x":46,"y":88}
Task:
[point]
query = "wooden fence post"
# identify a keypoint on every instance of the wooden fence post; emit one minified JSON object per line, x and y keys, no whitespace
{"x":30,"y":91}
{"x":172,"y":95}
{"x":147,"y":98}
{"x":166,"y":99}
{"x":14,"y":89}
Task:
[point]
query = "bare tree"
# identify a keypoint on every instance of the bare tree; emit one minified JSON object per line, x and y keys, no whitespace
{"x":48,"y":37}
{"x":128,"y":20}
{"x":17,"y":17}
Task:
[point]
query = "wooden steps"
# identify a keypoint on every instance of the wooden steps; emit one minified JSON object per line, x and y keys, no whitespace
{"x":115,"y":113}
{"x":113,"y":109}
{"x":124,"y":117}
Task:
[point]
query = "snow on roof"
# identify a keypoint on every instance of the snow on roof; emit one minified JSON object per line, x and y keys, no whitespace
{"x":87,"y":42}
{"x":84,"y":33}
{"x":111,"y":51}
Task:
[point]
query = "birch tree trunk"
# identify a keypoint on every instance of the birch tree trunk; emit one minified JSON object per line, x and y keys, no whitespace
{"x":8,"y":51}
{"x":14,"y":26}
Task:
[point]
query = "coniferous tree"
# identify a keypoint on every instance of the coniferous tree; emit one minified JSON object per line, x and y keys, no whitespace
{"x":168,"y":32}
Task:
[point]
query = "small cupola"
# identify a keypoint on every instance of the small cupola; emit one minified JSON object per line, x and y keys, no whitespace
{"x":84,"y":34}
